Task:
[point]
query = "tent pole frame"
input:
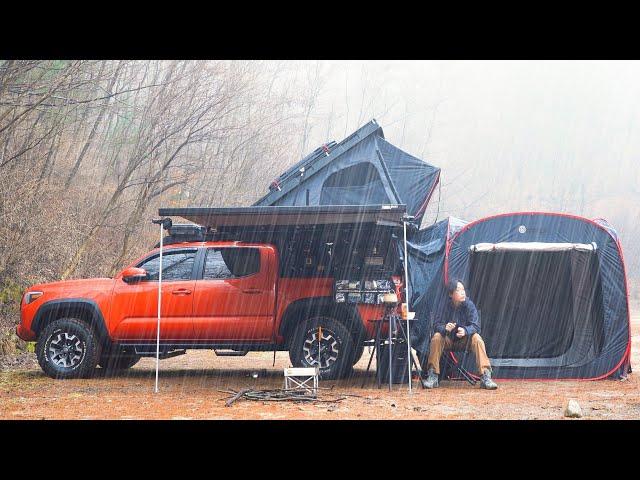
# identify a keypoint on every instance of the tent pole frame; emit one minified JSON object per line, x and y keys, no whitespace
{"x":406,"y":290}
{"x":165,"y":224}
{"x":159,"y":309}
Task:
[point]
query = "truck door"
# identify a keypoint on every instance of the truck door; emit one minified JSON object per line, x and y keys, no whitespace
{"x":135,"y":305}
{"x":235,"y":298}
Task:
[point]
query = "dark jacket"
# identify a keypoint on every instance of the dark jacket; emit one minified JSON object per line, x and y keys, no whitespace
{"x":465,"y":316}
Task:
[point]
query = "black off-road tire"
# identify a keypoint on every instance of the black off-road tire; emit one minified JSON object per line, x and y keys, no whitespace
{"x":79,"y":338}
{"x":115,"y":361}
{"x":338,"y":347}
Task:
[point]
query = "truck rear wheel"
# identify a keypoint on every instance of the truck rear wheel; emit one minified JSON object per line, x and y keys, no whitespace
{"x":67,"y":348}
{"x":325,"y":343}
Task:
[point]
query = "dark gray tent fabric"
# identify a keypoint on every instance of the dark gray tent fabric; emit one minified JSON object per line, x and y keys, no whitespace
{"x":414,"y":180}
{"x":362,"y":169}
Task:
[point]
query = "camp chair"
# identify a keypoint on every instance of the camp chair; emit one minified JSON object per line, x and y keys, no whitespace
{"x":449,"y":363}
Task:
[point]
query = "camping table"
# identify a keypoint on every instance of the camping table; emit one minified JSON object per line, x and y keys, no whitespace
{"x":379,"y":341}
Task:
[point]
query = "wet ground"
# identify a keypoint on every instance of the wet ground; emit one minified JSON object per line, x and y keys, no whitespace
{"x":189,"y":388}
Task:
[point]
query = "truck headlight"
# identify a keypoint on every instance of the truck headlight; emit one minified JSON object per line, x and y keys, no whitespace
{"x":31,"y":296}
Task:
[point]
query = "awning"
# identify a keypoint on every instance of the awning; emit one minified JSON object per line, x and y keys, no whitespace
{"x":532,"y":247}
{"x":390,"y":215}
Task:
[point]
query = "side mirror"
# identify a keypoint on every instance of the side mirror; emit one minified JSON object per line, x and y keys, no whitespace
{"x":134,"y":274}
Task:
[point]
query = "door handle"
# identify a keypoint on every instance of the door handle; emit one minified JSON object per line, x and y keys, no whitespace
{"x":181,"y":291}
{"x":251,"y":290}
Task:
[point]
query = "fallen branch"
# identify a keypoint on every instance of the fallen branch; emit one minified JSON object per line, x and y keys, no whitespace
{"x":278,"y":395}
{"x":230,"y":401}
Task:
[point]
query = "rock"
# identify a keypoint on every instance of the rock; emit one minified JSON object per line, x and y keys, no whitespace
{"x":573,"y":410}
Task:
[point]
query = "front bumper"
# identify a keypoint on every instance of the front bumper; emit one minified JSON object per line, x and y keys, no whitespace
{"x":25,"y":334}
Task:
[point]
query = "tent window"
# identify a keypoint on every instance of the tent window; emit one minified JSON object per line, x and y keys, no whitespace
{"x":355,"y":176}
{"x":355,"y":185}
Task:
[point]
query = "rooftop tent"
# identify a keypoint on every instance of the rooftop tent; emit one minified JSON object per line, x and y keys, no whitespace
{"x":552,"y":292}
{"x":363,"y":169}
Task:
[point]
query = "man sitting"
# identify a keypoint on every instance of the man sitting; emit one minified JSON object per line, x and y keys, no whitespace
{"x":455,"y":323}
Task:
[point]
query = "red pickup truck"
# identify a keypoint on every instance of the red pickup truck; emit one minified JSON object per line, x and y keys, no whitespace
{"x":226,"y":296}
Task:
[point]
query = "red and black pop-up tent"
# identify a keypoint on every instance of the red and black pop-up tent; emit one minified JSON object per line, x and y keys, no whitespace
{"x":551,"y":289}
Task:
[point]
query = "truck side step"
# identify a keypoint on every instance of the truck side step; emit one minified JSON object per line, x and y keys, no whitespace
{"x":145,"y":352}
{"x":230,"y":353}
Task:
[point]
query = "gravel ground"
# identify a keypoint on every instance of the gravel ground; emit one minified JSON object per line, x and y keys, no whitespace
{"x":190,"y":389}
{"x":23,"y":361}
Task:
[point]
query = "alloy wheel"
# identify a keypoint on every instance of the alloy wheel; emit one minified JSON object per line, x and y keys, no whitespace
{"x":320,"y":348}
{"x":66,"y":350}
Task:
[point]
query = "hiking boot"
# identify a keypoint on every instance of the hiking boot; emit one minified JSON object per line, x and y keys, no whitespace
{"x":431,"y":381}
{"x":486,"y":382}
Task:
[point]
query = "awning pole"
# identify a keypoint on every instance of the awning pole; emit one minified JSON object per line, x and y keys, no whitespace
{"x":406,"y":289}
{"x":159,"y":308}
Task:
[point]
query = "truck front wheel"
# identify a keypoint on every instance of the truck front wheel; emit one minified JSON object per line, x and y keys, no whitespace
{"x":67,"y":348}
{"x":325,"y":343}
